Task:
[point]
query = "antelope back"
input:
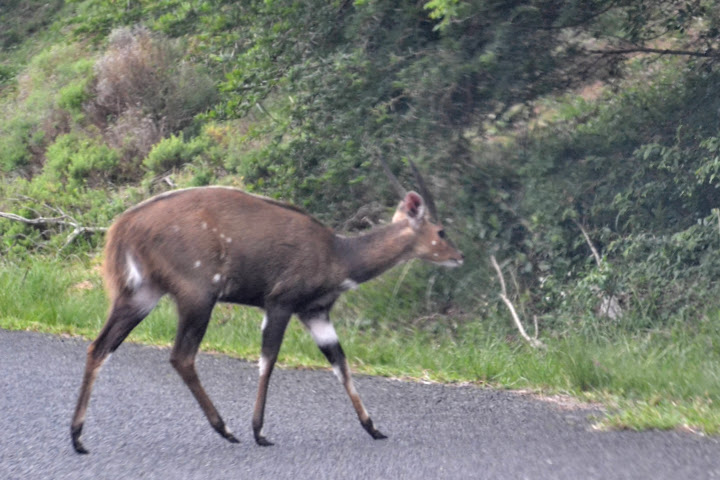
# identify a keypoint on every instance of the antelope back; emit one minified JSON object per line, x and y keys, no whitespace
{"x":196,"y":241}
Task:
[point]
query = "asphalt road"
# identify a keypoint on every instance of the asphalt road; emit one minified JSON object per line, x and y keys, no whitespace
{"x":144,"y":424}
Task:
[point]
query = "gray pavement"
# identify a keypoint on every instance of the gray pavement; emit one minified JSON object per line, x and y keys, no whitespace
{"x":144,"y":424}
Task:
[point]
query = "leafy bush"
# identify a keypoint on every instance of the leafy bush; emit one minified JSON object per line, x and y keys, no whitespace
{"x":14,"y":148}
{"x":78,"y":159}
{"x":51,"y":91}
{"x":173,"y":152}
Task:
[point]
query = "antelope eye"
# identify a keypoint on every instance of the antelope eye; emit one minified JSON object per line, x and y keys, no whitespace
{"x":441,"y":233}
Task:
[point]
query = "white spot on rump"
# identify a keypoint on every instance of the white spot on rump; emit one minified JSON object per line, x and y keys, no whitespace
{"x":348,"y":284}
{"x":145,"y":299}
{"x":322,"y":332}
{"x":134,"y":277}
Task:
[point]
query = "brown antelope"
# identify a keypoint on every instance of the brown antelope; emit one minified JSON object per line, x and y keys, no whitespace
{"x":214,"y":244}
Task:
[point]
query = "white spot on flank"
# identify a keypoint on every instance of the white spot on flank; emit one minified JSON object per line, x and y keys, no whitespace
{"x":449,"y":263}
{"x":204,"y":225}
{"x":348,"y":284}
{"x":216,"y":278}
{"x":228,"y":240}
{"x":198,"y":263}
{"x":322,"y":332}
{"x":134,"y":277}
{"x":434,"y":242}
{"x":175,"y":228}
{"x":435,"y":255}
{"x":222,"y":235}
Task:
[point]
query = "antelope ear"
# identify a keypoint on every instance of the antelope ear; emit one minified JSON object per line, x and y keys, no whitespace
{"x":412,"y":207}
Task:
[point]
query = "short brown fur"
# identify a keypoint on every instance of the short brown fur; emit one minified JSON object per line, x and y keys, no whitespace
{"x":211,"y":244}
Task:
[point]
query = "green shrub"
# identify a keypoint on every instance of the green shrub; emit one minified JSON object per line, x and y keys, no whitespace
{"x":14,"y":148}
{"x":7,"y":73}
{"x":174,"y":152}
{"x":76,"y":158}
{"x":73,"y":96}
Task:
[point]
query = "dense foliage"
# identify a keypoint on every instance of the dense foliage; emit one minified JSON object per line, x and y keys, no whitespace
{"x":546,"y":129}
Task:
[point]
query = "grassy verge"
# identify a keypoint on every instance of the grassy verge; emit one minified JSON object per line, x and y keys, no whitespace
{"x":665,"y":380}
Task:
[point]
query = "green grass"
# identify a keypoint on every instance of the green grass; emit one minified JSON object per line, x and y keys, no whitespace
{"x":655,"y":379}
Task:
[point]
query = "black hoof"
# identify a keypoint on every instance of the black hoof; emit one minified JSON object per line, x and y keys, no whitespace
{"x":224,"y":432}
{"x":263,"y":442}
{"x":370,"y":428}
{"x":77,"y":444}
{"x":79,"y":448}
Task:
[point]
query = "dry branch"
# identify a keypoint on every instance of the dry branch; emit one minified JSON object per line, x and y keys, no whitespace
{"x":533,"y":341}
{"x":594,"y":250}
{"x":709,"y":53}
{"x":63,"y":220}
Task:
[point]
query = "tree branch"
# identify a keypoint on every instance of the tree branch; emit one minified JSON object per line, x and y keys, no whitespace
{"x":595,"y":253}
{"x":534,"y":342}
{"x":63,"y":220}
{"x":709,"y":53}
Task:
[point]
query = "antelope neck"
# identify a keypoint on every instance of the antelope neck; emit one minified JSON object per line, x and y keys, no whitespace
{"x":368,"y":255}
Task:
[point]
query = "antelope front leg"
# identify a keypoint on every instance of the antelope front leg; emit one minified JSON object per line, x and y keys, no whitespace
{"x":326,"y":339}
{"x":273,"y":330}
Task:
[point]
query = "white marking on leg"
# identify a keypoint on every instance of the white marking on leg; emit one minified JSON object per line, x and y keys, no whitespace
{"x":263,"y":366}
{"x":338,"y":372}
{"x":322,"y":332}
{"x":103,"y":363}
{"x":264,"y":323}
{"x":134,"y":277}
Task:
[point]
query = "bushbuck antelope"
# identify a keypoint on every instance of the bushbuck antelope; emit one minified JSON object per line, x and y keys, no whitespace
{"x":214,"y":244}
